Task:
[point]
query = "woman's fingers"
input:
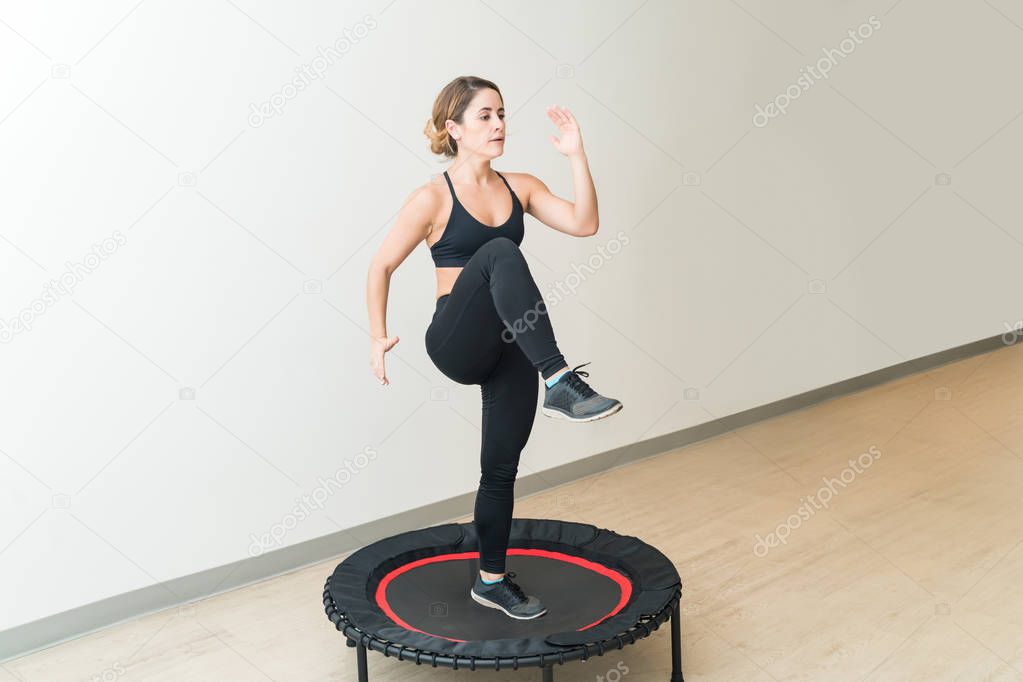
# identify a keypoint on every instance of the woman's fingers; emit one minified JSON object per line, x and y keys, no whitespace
{"x":379,"y":372}
{"x":563,"y":119}
{"x":380,"y":346}
{"x":556,"y":116}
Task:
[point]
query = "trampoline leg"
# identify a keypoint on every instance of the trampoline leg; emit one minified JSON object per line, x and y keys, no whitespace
{"x":548,"y":673}
{"x":360,"y":658}
{"x":676,"y":642}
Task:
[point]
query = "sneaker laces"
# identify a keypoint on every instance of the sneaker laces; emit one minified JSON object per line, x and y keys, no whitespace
{"x":514,"y":587}
{"x":580,"y":386}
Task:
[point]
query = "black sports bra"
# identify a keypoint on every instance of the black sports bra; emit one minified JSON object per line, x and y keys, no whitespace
{"x":464,"y":234}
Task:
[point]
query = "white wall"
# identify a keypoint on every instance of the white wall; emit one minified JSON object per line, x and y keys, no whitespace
{"x":241,"y":271}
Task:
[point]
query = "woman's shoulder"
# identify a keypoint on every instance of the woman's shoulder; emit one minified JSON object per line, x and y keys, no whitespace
{"x":430,"y":195}
{"x":523,"y":184}
{"x":426,"y":203}
{"x":522,"y":179}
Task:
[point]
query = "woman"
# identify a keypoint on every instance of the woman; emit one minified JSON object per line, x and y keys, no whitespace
{"x":490,"y":326}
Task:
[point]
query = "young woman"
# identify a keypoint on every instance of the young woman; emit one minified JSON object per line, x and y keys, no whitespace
{"x":490,"y":326}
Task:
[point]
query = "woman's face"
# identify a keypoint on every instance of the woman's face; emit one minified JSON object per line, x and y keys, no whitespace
{"x":482,"y":133}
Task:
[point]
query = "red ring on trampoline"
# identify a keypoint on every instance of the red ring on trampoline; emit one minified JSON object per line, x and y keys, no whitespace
{"x":624,"y":584}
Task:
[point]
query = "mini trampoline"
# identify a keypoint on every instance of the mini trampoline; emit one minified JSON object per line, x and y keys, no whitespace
{"x":407,"y":596}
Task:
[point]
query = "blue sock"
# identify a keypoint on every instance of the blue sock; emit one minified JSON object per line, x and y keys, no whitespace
{"x":554,"y":379}
{"x":491,"y":582}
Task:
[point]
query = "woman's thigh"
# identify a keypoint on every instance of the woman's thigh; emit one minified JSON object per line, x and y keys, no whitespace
{"x":464,"y":338}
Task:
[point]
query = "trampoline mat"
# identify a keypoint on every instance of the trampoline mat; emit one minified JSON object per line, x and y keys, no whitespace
{"x":431,"y":595}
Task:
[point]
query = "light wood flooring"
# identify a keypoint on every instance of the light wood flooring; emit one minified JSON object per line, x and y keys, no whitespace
{"x":914,"y":571}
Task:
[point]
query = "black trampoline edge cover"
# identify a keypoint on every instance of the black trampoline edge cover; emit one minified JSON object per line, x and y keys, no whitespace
{"x":412,"y":589}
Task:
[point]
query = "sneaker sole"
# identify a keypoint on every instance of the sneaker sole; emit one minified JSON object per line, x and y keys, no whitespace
{"x":558,"y":414}
{"x":494,"y":605}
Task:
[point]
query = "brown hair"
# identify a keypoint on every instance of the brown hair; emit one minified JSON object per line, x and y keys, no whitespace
{"x":451,"y":103}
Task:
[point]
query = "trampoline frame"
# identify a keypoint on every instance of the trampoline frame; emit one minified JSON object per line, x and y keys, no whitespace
{"x":363,"y":642}
{"x":657,"y":598}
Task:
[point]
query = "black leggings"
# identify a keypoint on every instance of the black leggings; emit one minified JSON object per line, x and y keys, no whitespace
{"x":493,"y":330}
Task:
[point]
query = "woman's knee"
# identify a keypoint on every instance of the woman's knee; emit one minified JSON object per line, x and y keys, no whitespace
{"x":499,"y":478}
{"x":502,"y":246}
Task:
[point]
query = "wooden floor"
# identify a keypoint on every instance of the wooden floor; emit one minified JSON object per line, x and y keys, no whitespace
{"x":912,"y":571}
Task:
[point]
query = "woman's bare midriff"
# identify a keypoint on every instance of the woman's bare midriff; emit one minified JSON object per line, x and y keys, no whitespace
{"x":446,"y":277}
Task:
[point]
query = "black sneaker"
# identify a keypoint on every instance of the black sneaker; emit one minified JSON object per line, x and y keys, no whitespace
{"x":572,"y":399}
{"x":507,"y":596}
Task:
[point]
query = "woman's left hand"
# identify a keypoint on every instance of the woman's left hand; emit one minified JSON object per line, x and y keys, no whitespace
{"x":571,"y":142}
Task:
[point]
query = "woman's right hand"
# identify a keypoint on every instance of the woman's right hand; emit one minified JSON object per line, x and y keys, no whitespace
{"x":379,"y":346}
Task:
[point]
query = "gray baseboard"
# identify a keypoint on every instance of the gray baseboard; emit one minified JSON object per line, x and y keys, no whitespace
{"x":46,"y":632}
